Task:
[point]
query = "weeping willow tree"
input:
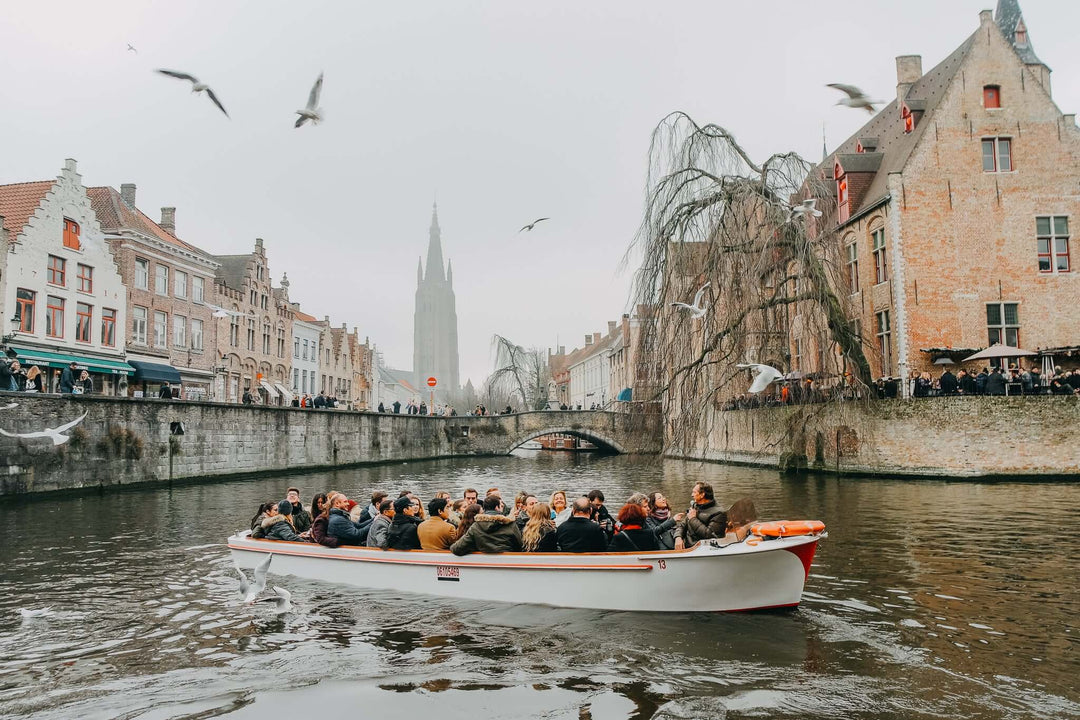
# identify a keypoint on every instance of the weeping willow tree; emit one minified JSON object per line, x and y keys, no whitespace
{"x":718,"y":220}
{"x":521,"y":375}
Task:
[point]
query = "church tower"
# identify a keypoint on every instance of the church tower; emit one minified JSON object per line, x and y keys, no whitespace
{"x":435,"y":342}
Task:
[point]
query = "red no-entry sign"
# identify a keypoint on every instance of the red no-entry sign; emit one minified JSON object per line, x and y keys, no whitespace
{"x":432,"y":382}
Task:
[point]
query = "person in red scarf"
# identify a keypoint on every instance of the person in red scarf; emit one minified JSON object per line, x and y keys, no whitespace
{"x":633,"y":535}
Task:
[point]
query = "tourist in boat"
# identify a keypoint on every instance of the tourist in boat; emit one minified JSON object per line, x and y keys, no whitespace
{"x":522,"y":516}
{"x":262,"y":514}
{"x":539,"y":532}
{"x":456,"y":510}
{"x":402,"y":534}
{"x":633,"y":535}
{"x":492,"y":532}
{"x":467,"y":519}
{"x":600,"y":513}
{"x":471,"y":497}
{"x":436,"y":533}
{"x":340,"y":525}
{"x":301,"y":517}
{"x":419,"y":507}
{"x":319,"y":526}
{"x":318,"y":506}
{"x":279,"y":526}
{"x":660,"y":520}
{"x":372,"y":510}
{"x":380,"y":526}
{"x":579,"y":534}
{"x":703,"y":521}
{"x":560,"y":511}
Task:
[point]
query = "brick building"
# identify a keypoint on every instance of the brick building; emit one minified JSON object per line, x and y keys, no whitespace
{"x":335,"y":362}
{"x":954,"y":207}
{"x":171,"y":334}
{"x":633,"y":375}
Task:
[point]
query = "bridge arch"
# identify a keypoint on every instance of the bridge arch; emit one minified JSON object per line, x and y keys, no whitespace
{"x":600,"y":439}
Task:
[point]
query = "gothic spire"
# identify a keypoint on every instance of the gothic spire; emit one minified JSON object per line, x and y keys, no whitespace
{"x":419,"y":271}
{"x":450,"y":273}
{"x":434,"y":251}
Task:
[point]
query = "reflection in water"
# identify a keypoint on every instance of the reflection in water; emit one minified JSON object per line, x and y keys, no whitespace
{"x":922,"y":602}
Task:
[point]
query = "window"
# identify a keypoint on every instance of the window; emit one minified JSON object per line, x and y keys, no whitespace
{"x":997,"y":155}
{"x":881,"y":260}
{"x":295,"y":381}
{"x":281,"y":341}
{"x":305,"y":355}
{"x":884,"y":336}
{"x":251,"y":334}
{"x":259,"y":272}
{"x":196,"y":334}
{"x":180,"y":284}
{"x":909,"y":119}
{"x":296,"y":347}
{"x":108,"y":327}
{"x":179,"y":331}
{"x":161,"y":280}
{"x":853,"y":266}
{"x":197,"y":289}
{"x":266,"y":338}
{"x":86,"y":278}
{"x":992,"y":96}
{"x":57,"y":271}
{"x":54,"y":316}
{"x":161,"y":326}
{"x":314,"y":350}
{"x":1003,"y":323}
{"x":252,"y":296}
{"x":142,"y":274}
{"x":84,"y":315}
{"x":234,"y":330}
{"x":1053,"y":240}
{"x":262,"y":302}
{"x":138,"y":325}
{"x":24,"y":309}
{"x":71,"y":235}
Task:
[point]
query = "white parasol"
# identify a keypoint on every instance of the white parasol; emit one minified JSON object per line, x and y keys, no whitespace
{"x":997,"y":350}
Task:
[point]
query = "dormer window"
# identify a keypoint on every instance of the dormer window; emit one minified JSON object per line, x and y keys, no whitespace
{"x":859,"y":148}
{"x":843,"y":208}
{"x":908,"y":118}
{"x":991,"y":96}
{"x":1021,"y":33}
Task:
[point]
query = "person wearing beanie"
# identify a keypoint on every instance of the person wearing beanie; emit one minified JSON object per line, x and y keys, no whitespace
{"x":402,"y":534}
{"x":340,"y":525}
{"x":280,"y":525}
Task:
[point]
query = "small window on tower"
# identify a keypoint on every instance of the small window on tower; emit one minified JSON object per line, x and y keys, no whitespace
{"x":991,"y":96}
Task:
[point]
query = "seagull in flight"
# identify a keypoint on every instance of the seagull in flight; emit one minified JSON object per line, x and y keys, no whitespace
{"x":248,"y":590}
{"x":856,"y":98}
{"x":131,"y":48}
{"x":10,"y":406}
{"x":312,"y":111}
{"x":220,"y":312}
{"x":196,"y":86}
{"x":54,"y":434}
{"x":696,"y":308}
{"x":282,"y":601}
{"x":534,"y":223}
{"x":806,"y":207}
{"x":764,"y":375}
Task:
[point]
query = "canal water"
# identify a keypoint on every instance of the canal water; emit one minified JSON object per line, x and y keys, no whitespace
{"x":928,"y":599}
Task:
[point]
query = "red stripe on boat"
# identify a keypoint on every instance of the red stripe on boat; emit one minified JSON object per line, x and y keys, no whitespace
{"x":805,"y":553}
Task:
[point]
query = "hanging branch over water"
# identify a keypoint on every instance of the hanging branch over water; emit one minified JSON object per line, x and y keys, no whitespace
{"x":519,"y":373}
{"x":715,"y":216}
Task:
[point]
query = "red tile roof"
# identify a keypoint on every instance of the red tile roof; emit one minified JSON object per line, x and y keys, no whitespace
{"x":19,"y":201}
{"x":115,"y":215}
{"x":306,"y":318}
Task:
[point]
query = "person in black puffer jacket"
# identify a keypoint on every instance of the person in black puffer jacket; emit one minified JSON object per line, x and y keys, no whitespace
{"x":402,"y":534}
{"x":279,"y":526}
{"x":632,"y":535}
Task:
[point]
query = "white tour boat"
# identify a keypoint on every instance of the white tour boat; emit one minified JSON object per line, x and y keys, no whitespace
{"x":765,"y":570}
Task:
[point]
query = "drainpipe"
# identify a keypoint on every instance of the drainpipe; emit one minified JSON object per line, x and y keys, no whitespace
{"x":899,"y":292}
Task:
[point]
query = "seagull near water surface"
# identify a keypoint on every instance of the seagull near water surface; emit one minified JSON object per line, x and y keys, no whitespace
{"x":764,"y":375}
{"x":248,"y":590}
{"x":695,"y":308}
{"x":534,"y":223}
{"x":311,"y":111}
{"x":282,"y":600}
{"x":55,"y":434}
{"x":856,"y":98}
{"x":196,"y":86}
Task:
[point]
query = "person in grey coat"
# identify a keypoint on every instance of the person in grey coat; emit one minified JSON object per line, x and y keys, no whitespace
{"x":380,"y":526}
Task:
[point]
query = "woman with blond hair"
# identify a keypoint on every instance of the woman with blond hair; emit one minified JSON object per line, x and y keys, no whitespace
{"x":34,"y":380}
{"x":539,"y":532}
{"x":560,"y":511}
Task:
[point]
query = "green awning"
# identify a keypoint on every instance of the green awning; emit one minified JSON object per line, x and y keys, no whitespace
{"x":60,"y":360}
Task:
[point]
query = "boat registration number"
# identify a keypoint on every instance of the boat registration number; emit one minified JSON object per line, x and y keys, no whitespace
{"x":448,"y":573}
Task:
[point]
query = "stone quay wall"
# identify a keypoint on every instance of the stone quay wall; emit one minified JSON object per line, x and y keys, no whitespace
{"x":958,"y":437}
{"x":130,"y":441}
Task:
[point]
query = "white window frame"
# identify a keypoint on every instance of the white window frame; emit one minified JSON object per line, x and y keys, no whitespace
{"x":139,"y":318}
{"x":179,"y":331}
{"x":180,"y":284}
{"x":161,"y":280}
{"x":198,"y":289}
{"x":997,"y":144}
{"x":196,"y":334}
{"x":142,"y":274}
{"x":161,"y":322}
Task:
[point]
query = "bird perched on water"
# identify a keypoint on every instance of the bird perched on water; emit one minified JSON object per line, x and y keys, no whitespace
{"x":696,"y":309}
{"x":856,"y":98}
{"x":249,"y":591}
{"x":806,"y":207}
{"x":764,"y":375}
{"x":196,"y":86}
{"x":55,"y":434}
{"x":311,"y":112}
{"x":530,"y":226}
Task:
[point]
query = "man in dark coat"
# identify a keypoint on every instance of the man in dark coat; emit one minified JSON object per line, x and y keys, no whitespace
{"x":320,"y":401}
{"x":301,"y":517}
{"x":967,"y":383}
{"x":600,"y":513}
{"x":948,"y":383}
{"x":397,"y":407}
{"x":248,"y":399}
{"x":423,"y":409}
{"x":491,"y":532}
{"x":165,"y":392}
{"x":67,"y":378}
{"x":402,"y":534}
{"x":578,"y":533}
{"x":341,"y":526}
{"x":995,"y":383}
{"x":703,"y":521}
{"x":382,"y":408}
{"x":980,"y":381}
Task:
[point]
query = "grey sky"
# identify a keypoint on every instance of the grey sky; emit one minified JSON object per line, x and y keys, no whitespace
{"x":508,"y":110}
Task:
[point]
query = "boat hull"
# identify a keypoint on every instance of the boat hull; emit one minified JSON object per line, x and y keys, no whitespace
{"x":705,"y":578}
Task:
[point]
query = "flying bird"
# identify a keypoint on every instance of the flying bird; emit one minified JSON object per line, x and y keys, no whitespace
{"x":196,"y":86}
{"x":534,"y":223}
{"x":282,"y":601}
{"x":696,"y":308}
{"x":311,"y":112}
{"x":54,"y":434}
{"x":220,"y":312}
{"x":10,"y":406}
{"x":131,"y":48}
{"x":250,"y":592}
{"x":764,"y":375}
{"x":806,"y":207}
{"x":856,"y":98}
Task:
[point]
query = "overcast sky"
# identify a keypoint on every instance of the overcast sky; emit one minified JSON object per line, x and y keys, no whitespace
{"x":507,"y":110}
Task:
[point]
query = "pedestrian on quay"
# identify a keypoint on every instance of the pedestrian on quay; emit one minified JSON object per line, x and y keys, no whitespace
{"x":397,"y":407}
{"x":948,"y":383}
{"x":67,"y":378}
{"x":995,"y":383}
{"x":967,"y":383}
{"x":247,"y":399}
{"x":10,"y":372}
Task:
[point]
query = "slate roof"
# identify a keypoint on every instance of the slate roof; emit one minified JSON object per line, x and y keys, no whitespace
{"x":115,"y":215}
{"x":18,"y":202}
{"x":233,"y":270}
{"x":1008,"y":17}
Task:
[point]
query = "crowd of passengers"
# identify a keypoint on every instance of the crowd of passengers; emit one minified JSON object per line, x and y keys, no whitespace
{"x":645,"y":522}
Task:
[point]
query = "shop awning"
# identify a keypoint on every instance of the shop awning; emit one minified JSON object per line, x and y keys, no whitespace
{"x":285,"y":392}
{"x":625,"y":395}
{"x":155,"y":372}
{"x":61,"y":360}
{"x":269,"y":389}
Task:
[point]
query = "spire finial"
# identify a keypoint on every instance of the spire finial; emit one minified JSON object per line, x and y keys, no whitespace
{"x":824,"y":145}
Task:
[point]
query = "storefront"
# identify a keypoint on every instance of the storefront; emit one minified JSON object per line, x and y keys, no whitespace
{"x":109,"y":375}
{"x":149,"y":377}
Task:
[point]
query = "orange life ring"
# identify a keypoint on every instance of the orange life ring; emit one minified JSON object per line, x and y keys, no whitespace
{"x":787,"y":528}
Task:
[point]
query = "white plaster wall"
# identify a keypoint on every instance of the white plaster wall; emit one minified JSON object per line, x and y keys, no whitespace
{"x":305,"y":331}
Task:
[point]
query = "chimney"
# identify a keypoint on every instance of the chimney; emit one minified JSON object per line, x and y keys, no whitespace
{"x":610,"y":327}
{"x":326,"y":319}
{"x":127,"y":194}
{"x":588,"y":340}
{"x":596,"y":337}
{"x":908,"y":72}
{"x":562,"y":349}
{"x":258,"y":244}
{"x":168,"y":218}
{"x":986,"y":17}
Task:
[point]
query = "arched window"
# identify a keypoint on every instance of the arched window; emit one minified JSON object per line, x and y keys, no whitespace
{"x":852,"y":257}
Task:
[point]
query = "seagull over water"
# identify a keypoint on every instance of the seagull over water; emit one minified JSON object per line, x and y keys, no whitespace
{"x":250,"y":591}
{"x":54,"y":434}
{"x":764,"y":375}
{"x":856,"y":98}
{"x":534,"y":223}
{"x":282,"y":600}
{"x":196,"y":86}
{"x":696,"y":309}
{"x":312,"y":111}
{"x":806,"y":207}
